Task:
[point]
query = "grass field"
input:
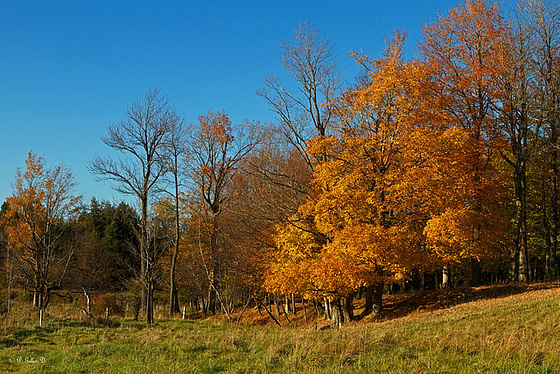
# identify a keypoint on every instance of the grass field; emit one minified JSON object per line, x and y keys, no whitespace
{"x":512,"y":334}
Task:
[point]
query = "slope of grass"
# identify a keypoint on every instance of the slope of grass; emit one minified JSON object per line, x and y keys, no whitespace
{"x":515,"y":334}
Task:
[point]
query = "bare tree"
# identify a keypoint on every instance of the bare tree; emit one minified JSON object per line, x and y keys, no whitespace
{"x":304,"y":107}
{"x":175,"y":151}
{"x":141,"y":139}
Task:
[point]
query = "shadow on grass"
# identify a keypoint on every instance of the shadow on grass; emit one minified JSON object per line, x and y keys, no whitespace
{"x":397,"y":306}
{"x":93,"y":323}
{"x":22,"y":334}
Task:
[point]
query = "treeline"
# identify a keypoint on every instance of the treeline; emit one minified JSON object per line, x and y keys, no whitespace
{"x":431,"y":172}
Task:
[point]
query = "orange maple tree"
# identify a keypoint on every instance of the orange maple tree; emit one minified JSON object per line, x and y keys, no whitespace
{"x":357,"y":231}
{"x":402,"y":186}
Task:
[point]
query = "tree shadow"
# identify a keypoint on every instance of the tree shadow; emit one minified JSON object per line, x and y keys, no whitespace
{"x":398,"y":306}
{"x":20,"y":335}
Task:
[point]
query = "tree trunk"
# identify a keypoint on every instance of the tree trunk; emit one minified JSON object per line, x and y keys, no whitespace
{"x":445,"y":277}
{"x":211,"y":299}
{"x":374,"y":299}
{"x":41,"y":297}
{"x":38,"y":300}
{"x":514,"y":265}
{"x":554,"y":200}
{"x":144,"y":252}
{"x":150,"y":302}
{"x":318,"y":308}
{"x":348,"y":310}
{"x":521,"y":220}
{"x":337,"y":314}
{"x":277,"y":307}
{"x":476,"y":275}
{"x":268,"y":311}
{"x":173,"y":300}
{"x":173,"y":297}
{"x":550,"y":252}
{"x":39,"y":292}
{"x":523,"y":265}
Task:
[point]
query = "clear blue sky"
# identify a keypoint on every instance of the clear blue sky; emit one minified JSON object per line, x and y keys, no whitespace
{"x":68,"y":69}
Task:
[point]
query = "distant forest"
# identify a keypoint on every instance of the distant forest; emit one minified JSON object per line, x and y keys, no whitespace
{"x":433,"y":172}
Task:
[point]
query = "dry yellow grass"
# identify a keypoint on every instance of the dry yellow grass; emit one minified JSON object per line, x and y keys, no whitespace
{"x":517,"y":333}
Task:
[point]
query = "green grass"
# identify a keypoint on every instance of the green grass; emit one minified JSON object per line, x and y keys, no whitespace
{"x":517,"y":334}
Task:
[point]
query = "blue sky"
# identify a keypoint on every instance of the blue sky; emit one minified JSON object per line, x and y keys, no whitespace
{"x":68,"y":69}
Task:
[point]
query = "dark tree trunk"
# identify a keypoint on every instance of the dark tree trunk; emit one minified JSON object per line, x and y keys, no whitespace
{"x":173,"y":296}
{"x":550,"y":252}
{"x":144,"y":252}
{"x":173,"y":300}
{"x":521,"y":220}
{"x":318,"y":308}
{"x":150,"y":302}
{"x":211,"y":299}
{"x":554,"y":201}
{"x":476,"y":274}
{"x":348,"y":310}
{"x":374,"y":299}
{"x":277,"y":307}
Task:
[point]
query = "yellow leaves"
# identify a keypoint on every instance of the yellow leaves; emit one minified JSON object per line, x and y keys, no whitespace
{"x":395,"y":90}
{"x":215,"y":126}
{"x":463,"y":233}
{"x":297,"y":248}
{"x":407,"y":181}
{"x":297,"y":241}
{"x":449,"y":235}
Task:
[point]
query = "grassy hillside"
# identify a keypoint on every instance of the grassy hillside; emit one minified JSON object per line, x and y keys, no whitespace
{"x":506,"y":334}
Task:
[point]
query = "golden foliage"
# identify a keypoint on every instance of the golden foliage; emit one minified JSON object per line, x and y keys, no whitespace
{"x":401,"y":185}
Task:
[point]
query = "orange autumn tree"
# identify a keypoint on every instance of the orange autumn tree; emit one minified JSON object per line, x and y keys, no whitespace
{"x":37,"y":222}
{"x":401,"y":187}
{"x":466,"y":49}
{"x":357,"y":231}
{"x":463,"y":206}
